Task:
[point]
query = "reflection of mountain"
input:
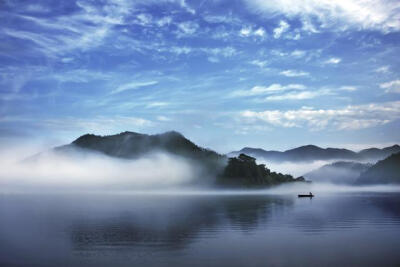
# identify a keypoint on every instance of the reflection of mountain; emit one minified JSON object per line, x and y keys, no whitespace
{"x":343,"y":172}
{"x":173,"y":222}
{"x":312,"y":153}
{"x":383,"y":172}
{"x":199,"y":230}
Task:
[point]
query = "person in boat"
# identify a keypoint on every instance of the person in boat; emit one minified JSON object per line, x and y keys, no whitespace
{"x":310,"y":194}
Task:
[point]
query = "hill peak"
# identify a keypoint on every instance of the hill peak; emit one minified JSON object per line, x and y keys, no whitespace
{"x":305,"y":148}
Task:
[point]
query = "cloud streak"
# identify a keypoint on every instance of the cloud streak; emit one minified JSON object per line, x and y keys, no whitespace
{"x":132,"y":86}
{"x":273,"y":88}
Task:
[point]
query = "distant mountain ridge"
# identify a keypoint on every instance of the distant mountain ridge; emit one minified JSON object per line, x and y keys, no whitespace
{"x":386,"y":171}
{"x":312,"y":153}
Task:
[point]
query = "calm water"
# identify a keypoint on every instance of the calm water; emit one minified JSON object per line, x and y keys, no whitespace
{"x":350,"y":229}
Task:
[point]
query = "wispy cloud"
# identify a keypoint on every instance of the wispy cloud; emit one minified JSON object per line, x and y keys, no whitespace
{"x":98,"y":124}
{"x":186,"y":29}
{"x":163,"y":118}
{"x":333,"y":60}
{"x":157,"y":104}
{"x":259,"y":63}
{"x":382,"y":15}
{"x":273,"y":88}
{"x":298,"y":95}
{"x":84,"y":29}
{"x":294,"y":73}
{"x":348,"y":88}
{"x":383,"y":69}
{"x":132,"y":86}
{"x":249,"y":31}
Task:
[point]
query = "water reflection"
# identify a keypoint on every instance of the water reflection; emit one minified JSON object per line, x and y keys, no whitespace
{"x":199,"y":230}
{"x":173,"y":222}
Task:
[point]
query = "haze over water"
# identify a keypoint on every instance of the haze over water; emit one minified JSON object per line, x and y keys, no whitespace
{"x":269,"y":228}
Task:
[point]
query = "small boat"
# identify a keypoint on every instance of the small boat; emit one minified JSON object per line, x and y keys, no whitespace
{"x":308,"y":195}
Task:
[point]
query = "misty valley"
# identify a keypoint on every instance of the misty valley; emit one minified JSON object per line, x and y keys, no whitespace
{"x":134,"y":199}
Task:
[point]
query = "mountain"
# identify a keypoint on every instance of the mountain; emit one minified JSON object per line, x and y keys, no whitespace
{"x":130,"y":145}
{"x":386,"y":171}
{"x":341,"y":172}
{"x":134,"y":145}
{"x":312,"y":153}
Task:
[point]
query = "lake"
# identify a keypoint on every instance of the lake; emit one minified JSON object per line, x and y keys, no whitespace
{"x":352,"y":228}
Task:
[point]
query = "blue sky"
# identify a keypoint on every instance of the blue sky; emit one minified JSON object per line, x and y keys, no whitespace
{"x":227,"y":74}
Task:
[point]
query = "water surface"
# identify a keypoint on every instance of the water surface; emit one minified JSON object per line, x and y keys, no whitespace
{"x":350,"y":229}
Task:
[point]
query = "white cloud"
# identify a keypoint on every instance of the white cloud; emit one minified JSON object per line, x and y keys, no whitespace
{"x":216,"y":53}
{"x":273,"y":88}
{"x":180,"y":50}
{"x":67,"y":59}
{"x":245,"y":31}
{"x":132,"y":86}
{"x":298,"y":95}
{"x":294,"y":73}
{"x":157,"y":104}
{"x":187,"y":28}
{"x":164,"y":21}
{"x":259,"y":32}
{"x":248,"y":31}
{"x":333,"y":60}
{"x":298,"y":53}
{"x":295,"y":53}
{"x":383,"y":69}
{"x":391,"y":87}
{"x":348,"y":88}
{"x":308,"y":26}
{"x":185,"y":6}
{"x":259,"y":63}
{"x":163,"y":118}
{"x":346,"y":118}
{"x":144,"y":19}
{"x":382,"y":15}
{"x":212,"y":53}
{"x":282,"y":28}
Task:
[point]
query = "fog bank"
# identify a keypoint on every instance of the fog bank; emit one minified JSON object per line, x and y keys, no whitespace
{"x":77,"y":170}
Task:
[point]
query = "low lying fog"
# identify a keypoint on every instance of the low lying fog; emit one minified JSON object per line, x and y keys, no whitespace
{"x":78,"y":170}
{"x":154,"y":173}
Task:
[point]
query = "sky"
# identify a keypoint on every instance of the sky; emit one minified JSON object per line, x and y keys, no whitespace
{"x":225,"y":73}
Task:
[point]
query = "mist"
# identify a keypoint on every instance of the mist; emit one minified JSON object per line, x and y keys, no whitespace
{"x":153,"y":173}
{"x":294,"y":168}
{"x":80,"y":170}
